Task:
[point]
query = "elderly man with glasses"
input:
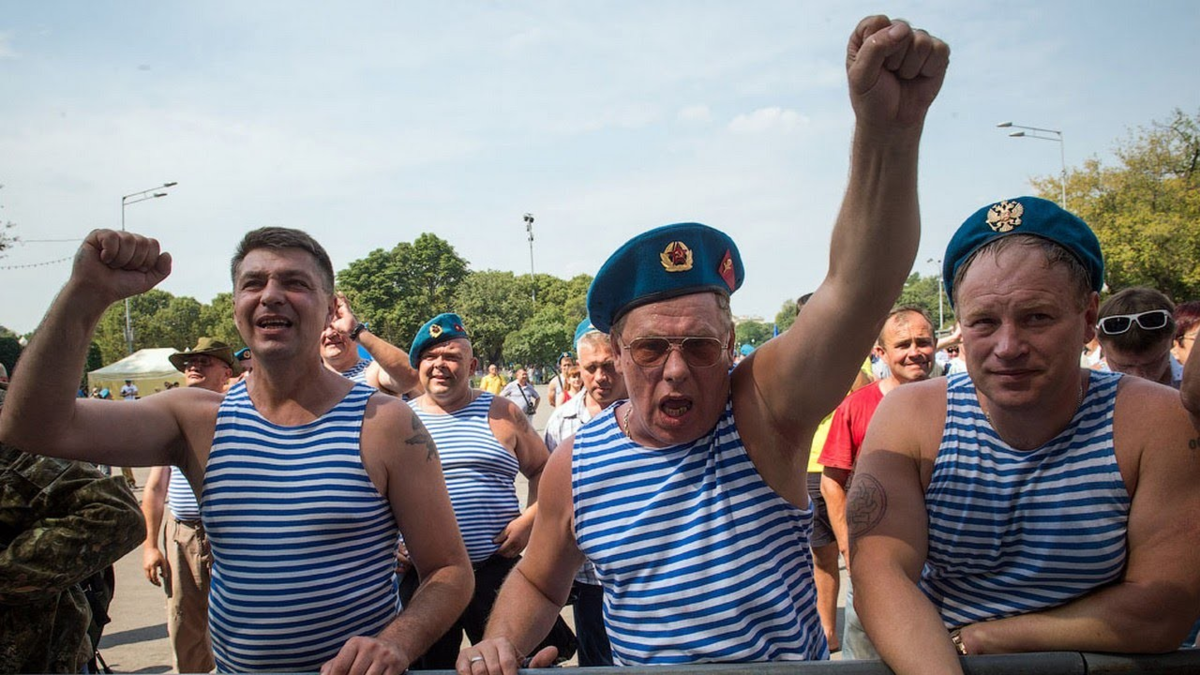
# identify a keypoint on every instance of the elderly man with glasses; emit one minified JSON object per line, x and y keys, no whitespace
{"x":1136,"y":330}
{"x":1028,"y":504}
{"x":690,"y":498}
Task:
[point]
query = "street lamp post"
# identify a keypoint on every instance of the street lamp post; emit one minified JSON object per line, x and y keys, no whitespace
{"x":134,"y":198}
{"x":941,"y":292}
{"x":532,"y":278}
{"x":1038,"y":133}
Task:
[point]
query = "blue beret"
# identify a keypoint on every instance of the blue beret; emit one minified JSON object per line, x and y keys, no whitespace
{"x":582,"y":329}
{"x":439,"y":329}
{"x":1024,"y":215}
{"x":664,"y":263}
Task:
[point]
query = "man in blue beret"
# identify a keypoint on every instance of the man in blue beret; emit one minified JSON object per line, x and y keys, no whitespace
{"x":603,"y":385}
{"x":1027,"y":504}
{"x":690,"y":498}
{"x":304,"y":478}
{"x":483,"y":441}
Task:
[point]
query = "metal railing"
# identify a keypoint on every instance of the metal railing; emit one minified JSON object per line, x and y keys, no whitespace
{"x":1041,"y":663}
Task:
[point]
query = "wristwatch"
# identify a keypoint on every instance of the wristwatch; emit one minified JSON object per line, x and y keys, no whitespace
{"x":358,"y":329}
{"x":956,"y":638}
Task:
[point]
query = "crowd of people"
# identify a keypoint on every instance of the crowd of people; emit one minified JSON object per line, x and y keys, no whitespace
{"x":331,"y":513}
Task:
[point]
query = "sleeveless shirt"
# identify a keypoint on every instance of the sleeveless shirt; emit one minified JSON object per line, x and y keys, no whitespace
{"x":302,"y":541}
{"x":480,"y":473}
{"x":1017,"y":531}
{"x":700,"y":560}
{"x":180,"y":498}
{"x":357,"y":372}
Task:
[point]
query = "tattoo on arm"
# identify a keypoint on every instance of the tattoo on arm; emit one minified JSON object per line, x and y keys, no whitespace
{"x":866,"y":506}
{"x":421,"y":437}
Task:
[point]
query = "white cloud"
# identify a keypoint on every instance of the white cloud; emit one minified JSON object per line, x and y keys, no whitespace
{"x":768,"y":119}
{"x":695,"y":113}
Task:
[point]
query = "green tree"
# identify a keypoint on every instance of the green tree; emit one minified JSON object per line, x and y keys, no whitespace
{"x":176,"y":324}
{"x":216,"y":321}
{"x":1146,"y":209}
{"x":923,"y":292}
{"x":786,"y":316}
{"x":159,"y":320}
{"x":541,"y":339}
{"x":398,"y":290}
{"x":492,"y":304}
{"x":753,"y":332}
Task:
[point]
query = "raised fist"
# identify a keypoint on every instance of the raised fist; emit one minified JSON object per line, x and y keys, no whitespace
{"x":894,"y":71}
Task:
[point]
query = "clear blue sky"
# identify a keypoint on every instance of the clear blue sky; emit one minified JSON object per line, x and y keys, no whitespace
{"x":369,"y":123}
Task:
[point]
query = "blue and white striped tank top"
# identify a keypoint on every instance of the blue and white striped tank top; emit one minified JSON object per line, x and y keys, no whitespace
{"x":1014,"y":531}
{"x":480,"y":473}
{"x":700,"y":560}
{"x":180,"y":498}
{"x":302,"y":541}
{"x":357,"y":372}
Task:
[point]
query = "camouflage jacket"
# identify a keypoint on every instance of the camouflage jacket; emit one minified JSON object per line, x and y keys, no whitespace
{"x":60,"y":522}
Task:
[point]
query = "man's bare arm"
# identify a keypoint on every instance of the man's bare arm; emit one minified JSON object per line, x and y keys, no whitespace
{"x":536,"y":590}
{"x":154,"y":499}
{"x":894,"y":74}
{"x":514,"y":431}
{"x":390,"y":370}
{"x":833,"y":489}
{"x":399,"y":451}
{"x":41,"y":413}
{"x":1154,"y":604}
{"x":1189,"y":390}
{"x":889,"y":536}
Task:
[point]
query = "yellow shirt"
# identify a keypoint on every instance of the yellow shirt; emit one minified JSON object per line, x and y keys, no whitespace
{"x":492,"y":383}
{"x":823,"y":432}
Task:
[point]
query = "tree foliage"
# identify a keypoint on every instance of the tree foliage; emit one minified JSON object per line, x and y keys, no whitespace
{"x":753,"y":332}
{"x":492,"y":304}
{"x":1146,"y":209}
{"x":216,"y":321}
{"x":161,"y":319}
{"x":542,"y":338}
{"x":398,"y":290}
{"x":923,"y":292}
{"x":786,"y":316}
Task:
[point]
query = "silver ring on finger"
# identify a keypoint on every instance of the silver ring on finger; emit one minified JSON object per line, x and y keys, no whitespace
{"x":475,"y":659}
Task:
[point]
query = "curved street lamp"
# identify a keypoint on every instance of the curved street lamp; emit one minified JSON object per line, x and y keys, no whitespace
{"x":1039,"y":134}
{"x":134,"y":198}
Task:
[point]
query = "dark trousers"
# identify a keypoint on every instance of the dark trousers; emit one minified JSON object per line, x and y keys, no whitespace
{"x":489,"y":575}
{"x":594,"y":648}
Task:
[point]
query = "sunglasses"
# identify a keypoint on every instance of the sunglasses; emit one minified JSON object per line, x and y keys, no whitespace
{"x":197,"y":361}
{"x":700,"y":352}
{"x":1155,"y":319}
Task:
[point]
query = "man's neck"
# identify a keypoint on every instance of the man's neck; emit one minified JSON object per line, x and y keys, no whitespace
{"x":887,"y":384}
{"x":343,"y":362}
{"x":295,"y":392}
{"x":447,"y":403}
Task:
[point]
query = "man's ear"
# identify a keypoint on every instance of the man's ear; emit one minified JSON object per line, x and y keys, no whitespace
{"x":1091,"y":314}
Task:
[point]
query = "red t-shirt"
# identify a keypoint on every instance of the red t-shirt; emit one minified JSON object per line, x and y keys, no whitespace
{"x":849,"y":427}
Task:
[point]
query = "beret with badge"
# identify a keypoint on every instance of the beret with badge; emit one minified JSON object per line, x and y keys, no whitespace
{"x":1029,"y":216}
{"x":437,"y":330}
{"x":660,"y":264}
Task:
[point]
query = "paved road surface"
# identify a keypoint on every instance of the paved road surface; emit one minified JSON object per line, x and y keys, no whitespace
{"x":136,"y":640}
